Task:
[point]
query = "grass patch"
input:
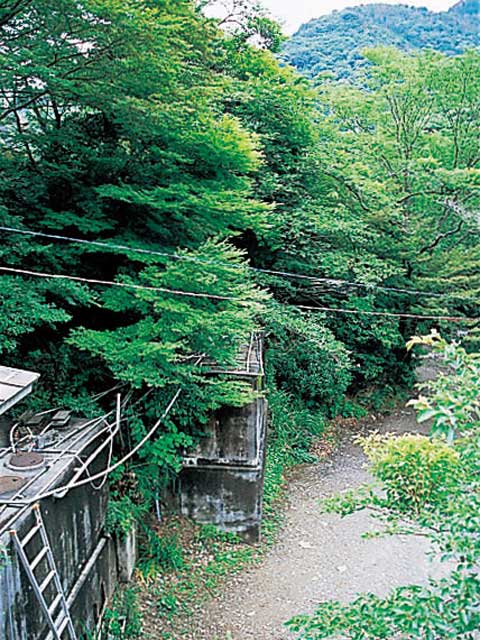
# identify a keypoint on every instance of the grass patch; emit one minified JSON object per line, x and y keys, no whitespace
{"x":172,"y":597}
{"x":122,"y":619}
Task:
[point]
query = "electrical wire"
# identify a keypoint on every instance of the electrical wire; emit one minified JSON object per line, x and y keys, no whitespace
{"x":177,"y":256}
{"x":112,"y":433}
{"x":97,"y":476}
{"x":388,"y":314}
{"x":111,"y":283}
{"x":230,"y":298}
{"x":336,"y":282}
{"x":85,"y":464}
{"x":103,"y":474}
{"x":62,"y":490}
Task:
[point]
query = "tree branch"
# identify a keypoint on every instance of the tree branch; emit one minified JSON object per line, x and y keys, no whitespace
{"x":441,"y":237}
{"x":8,"y":10}
{"x":349,"y":188}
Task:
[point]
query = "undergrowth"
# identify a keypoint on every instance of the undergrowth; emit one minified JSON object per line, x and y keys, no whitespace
{"x":123,"y":619}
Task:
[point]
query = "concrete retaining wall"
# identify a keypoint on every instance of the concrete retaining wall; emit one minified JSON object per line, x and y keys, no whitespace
{"x":75,"y":529}
{"x":222,"y":479}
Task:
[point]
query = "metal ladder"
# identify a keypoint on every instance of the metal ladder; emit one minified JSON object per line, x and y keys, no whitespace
{"x":59,"y":620}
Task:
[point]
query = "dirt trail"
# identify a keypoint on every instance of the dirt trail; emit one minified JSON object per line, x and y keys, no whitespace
{"x":318,"y":556}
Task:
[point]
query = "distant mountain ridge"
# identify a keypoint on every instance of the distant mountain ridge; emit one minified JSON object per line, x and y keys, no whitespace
{"x":334,"y":42}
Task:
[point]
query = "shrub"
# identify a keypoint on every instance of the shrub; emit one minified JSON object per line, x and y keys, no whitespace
{"x":431,"y":487}
{"x":415,"y":471}
{"x":306,"y":360}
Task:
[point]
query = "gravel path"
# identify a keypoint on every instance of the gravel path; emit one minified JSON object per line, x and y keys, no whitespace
{"x":318,"y":556}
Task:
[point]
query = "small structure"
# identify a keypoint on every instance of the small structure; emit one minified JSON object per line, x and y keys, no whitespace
{"x":222,"y":478}
{"x":58,"y":567}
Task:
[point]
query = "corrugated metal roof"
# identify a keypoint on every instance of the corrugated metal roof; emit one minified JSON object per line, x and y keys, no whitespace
{"x":15,"y":384}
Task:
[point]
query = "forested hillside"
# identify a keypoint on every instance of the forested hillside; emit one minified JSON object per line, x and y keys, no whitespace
{"x":334,"y":43}
{"x":167,"y":186}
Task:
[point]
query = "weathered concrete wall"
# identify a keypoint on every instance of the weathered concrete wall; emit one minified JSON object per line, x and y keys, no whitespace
{"x":222,"y":479}
{"x":89,"y":563}
{"x":127,"y":550}
{"x":230,"y":436}
{"x":226,"y":497}
{"x":75,"y":529}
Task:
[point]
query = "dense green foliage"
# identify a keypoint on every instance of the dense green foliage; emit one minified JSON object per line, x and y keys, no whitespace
{"x":392,"y":163}
{"x":334,"y":43}
{"x":194,"y":155}
{"x":113,"y":129}
{"x":306,"y":361}
{"x":428,"y":486}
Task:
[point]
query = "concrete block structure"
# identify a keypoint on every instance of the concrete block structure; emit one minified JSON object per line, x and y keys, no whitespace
{"x":222,"y":478}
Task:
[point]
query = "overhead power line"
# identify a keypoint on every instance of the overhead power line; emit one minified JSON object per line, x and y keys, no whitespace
{"x":339,"y":282}
{"x":176,"y":256}
{"x":38,"y":274}
{"x":389,"y":314}
{"x":111,"y":283}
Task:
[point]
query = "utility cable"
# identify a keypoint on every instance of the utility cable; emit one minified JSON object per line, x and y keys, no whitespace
{"x":110,"y":439}
{"x":111,"y":283}
{"x":108,"y":470}
{"x":78,"y":483}
{"x":388,"y":314}
{"x":177,"y":256}
{"x":231,"y":298}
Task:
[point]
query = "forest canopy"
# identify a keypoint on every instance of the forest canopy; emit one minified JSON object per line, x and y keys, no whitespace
{"x":334,"y":43}
{"x":168,"y":186}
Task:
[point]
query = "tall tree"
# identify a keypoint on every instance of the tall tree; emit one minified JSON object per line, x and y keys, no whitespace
{"x":393,"y":201}
{"x":112,"y":130}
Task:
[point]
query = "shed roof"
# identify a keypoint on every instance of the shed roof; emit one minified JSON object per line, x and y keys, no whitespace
{"x":15,"y":384}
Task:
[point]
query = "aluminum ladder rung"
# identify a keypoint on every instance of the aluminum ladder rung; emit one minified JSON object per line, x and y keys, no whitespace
{"x":38,"y":558}
{"x":47,"y":580}
{"x":33,"y":531}
{"x":55,"y":604}
{"x":61,"y":624}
